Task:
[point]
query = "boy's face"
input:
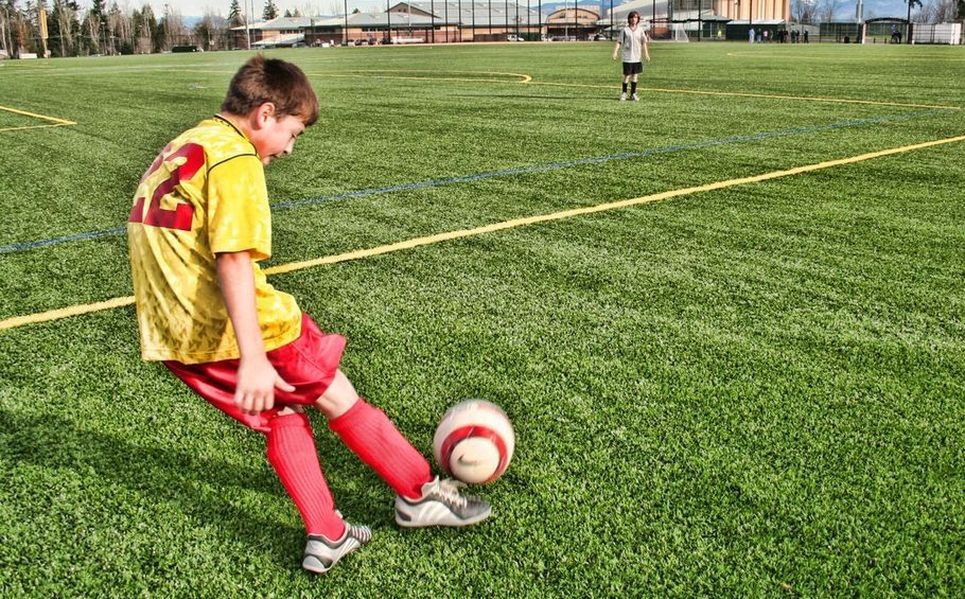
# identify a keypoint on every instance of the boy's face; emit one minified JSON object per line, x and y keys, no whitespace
{"x":274,"y":136}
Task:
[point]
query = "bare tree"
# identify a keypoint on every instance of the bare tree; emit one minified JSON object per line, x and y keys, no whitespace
{"x":805,"y":11}
{"x":212,"y":31}
{"x":64,"y":21}
{"x":939,"y":11}
{"x":826,"y":10}
{"x":174,"y":29}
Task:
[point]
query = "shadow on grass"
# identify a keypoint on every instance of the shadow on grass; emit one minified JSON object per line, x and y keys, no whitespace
{"x":166,"y":474}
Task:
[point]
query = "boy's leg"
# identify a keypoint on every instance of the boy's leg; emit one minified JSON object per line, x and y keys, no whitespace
{"x":291,"y":452}
{"x":422,"y":500}
{"x":290,"y":443}
{"x":368,"y":432}
{"x":633,"y":87}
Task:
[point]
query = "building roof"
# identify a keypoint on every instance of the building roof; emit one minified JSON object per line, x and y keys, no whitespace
{"x":502,"y":13}
{"x":281,"y":41}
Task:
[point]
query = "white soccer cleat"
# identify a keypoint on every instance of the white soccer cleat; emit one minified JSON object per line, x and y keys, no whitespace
{"x":623,"y":97}
{"x":442,"y":504}
{"x":635,"y":97}
{"x":321,"y":554}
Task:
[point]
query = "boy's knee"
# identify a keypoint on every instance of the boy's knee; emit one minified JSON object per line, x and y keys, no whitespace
{"x":287,"y":417}
{"x":334,"y":406}
{"x":338,"y":398}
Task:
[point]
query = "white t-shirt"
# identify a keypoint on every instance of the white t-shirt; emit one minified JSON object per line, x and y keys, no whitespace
{"x":631,"y":43}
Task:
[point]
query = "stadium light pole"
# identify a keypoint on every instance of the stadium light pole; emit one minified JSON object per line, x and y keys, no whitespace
{"x":576,"y":19}
{"x":700,"y":22}
{"x":388,"y":21}
{"x":517,"y":19}
{"x":539,"y":18}
{"x":247,"y":28}
{"x":506,"y":17}
{"x":3,"y":30}
{"x":251,"y":5}
{"x":345,"y":16}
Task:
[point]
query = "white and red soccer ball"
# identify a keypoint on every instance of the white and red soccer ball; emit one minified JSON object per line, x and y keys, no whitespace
{"x":474,"y":441}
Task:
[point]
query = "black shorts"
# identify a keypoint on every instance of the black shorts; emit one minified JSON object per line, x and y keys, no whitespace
{"x":632,"y":68}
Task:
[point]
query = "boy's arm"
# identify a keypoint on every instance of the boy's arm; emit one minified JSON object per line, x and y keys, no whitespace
{"x":257,"y":379}
{"x":616,"y":49}
{"x":646,"y":48}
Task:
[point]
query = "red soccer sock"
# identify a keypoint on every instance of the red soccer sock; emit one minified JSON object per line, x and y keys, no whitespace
{"x":368,"y":432}
{"x":291,"y":452}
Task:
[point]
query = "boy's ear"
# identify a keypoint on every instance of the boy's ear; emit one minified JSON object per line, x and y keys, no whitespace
{"x":262,"y":113}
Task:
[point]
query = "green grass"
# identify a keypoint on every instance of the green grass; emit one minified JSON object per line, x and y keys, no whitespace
{"x":750,"y":391}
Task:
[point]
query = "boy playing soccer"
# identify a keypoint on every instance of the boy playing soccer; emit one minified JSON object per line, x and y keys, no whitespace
{"x":198,"y":228}
{"x":634,"y":42}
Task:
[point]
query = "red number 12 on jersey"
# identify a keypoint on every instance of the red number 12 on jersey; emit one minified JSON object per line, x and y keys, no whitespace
{"x":180,"y":217}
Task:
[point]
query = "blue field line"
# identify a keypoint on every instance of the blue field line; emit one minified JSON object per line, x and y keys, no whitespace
{"x":523,"y":170}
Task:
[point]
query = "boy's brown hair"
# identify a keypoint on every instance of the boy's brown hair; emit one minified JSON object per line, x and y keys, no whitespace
{"x":272,"y":80}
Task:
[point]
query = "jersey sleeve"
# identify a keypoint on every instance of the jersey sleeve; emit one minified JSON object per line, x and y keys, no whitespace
{"x":239,"y":217}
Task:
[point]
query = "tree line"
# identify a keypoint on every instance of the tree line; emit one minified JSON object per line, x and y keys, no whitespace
{"x":103,"y":29}
{"x":71,"y":31}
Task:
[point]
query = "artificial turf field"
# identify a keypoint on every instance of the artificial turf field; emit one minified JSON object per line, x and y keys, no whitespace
{"x":748,"y":381}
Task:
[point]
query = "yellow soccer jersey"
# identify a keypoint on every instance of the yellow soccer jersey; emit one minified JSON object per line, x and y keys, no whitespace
{"x":204,"y":194}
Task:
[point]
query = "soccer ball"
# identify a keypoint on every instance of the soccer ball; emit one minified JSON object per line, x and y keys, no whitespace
{"x":474,"y":441}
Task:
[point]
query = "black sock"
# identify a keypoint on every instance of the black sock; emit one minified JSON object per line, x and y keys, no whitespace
{"x":633,"y":87}
{"x":624,"y":87}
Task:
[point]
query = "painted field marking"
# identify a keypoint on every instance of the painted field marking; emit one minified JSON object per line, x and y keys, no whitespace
{"x":525,"y":79}
{"x":55,"y":122}
{"x":699,"y":92}
{"x":19,"y":321}
{"x":507,"y":172}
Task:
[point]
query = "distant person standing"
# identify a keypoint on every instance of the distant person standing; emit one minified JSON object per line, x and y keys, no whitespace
{"x":634,"y":43}
{"x":750,"y":35}
{"x":806,"y":37}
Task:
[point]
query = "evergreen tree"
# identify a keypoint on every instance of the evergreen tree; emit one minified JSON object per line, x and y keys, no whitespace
{"x":271,"y":11}
{"x":97,"y":22}
{"x":62,"y":27}
{"x":234,"y":15}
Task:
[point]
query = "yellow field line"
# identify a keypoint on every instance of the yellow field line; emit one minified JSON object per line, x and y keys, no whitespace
{"x":19,"y":321}
{"x":77,"y":310}
{"x":380,"y":74}
{"x":528,"y":80}
{"x":753,"y":95}
{"x":36,"y":127}
{"x":38,"y":116}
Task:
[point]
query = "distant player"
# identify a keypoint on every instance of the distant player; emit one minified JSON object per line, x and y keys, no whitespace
{"x":634,"y":43}
{"x":198,"y":229}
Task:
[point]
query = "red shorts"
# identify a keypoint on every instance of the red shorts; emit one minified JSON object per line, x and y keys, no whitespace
{"x":308,"y":363}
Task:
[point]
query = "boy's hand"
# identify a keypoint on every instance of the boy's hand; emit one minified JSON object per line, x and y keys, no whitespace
{"x":257,"y":381}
